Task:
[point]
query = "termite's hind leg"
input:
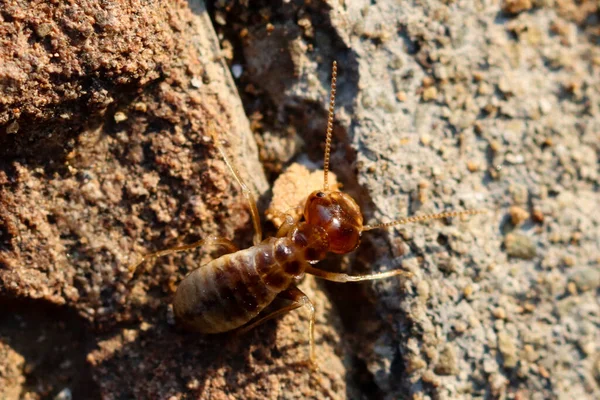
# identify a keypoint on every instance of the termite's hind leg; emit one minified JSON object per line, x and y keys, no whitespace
{"x":298,"y":299}
{"x":211,"y":240}
{"x":245,"y":191}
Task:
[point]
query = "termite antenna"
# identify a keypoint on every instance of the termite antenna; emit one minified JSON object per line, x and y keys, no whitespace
{"x":238,"y":178}
{"x":329,"y":126}
{"x":420,"y":218}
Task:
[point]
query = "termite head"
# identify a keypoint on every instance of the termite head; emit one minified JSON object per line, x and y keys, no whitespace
{"x":338,"y":215}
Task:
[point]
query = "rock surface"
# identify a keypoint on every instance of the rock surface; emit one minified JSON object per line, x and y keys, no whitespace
{"x":105,"y":154}
{"x":453,"y":105}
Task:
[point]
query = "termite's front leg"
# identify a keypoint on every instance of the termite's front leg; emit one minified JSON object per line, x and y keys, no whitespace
{"x":238,"y":178}
{"x":289,"y":220}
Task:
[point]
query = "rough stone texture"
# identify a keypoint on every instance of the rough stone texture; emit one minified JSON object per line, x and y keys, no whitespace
{"x":105,"y":112}
{"x":452,"y":105}
{"x":64,"y":64}
{"x":143,"y":178}
{"x":441,"y":105}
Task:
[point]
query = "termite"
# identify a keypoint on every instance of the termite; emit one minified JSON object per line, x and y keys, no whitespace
{"x":230,"y":292}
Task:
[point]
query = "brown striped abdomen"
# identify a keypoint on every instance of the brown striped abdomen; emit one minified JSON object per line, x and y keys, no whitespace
{"x":231,"y":290}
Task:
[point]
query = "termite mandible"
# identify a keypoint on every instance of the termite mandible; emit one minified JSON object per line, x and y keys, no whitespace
{"x":230,"y":292}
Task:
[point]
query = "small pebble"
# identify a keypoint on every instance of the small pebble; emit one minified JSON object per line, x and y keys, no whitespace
{"x":193,"y":384}
{"x":415,"y":363}
{"x":518,"y":215}
{"x":472,"y":166}
{"x":423,"y":290}
{"x":520,"y":246}
{"x":545,"y":106}
{"x":529,"y":353}
{"x":429,"y":377}
{"x":576,"y":237}
{"x":515,"y":158}
{"x":516,"y":6}
{"x":144,"y":326}
{"x":569,"y":261}
{"x":529,"y":307}
{"x":498,"y":384}
{"x":220,"y":18}
{"x":586,"y":278}
{"x":519,"y":193}
{"x":430,"y":93}
{"x":499,"y":313}
{"x":120,"y":117}
{"x":508,"y":349}
{"x":447,"y":362}
{"x":468,"y":291}
{"x":237,"y":70}
{"x":140,"y":106}
{"x":537,"y":216}
{"x":196,"y":83}
{"x":428,"y":81}
{"x":12,"y":128}
{"x":425,"y":139}
{"x":64,"y":394}
{"x":460,"y":327}
{"x":588,"y":346}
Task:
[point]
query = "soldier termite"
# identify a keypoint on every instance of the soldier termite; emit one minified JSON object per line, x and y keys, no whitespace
{"x":231,"y":292}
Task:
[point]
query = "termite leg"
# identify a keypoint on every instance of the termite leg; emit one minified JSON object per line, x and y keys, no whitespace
{"x":337,"y":277}
{"x":298,"y":300}
{"x":211,"y":240}
{"x":245,"y":191}
{"x":289,"y":221}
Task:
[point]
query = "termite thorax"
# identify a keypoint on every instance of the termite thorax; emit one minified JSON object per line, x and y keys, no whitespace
{"x":312,"y":240}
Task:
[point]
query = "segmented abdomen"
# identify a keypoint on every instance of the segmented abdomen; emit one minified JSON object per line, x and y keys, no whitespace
{"x":229,"y":291}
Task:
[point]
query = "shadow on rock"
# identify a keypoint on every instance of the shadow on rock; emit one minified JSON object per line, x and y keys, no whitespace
{"x":159,"y":361}
{"x":49,"y":345}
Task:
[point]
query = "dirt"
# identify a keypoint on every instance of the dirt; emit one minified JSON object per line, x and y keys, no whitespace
{"x":105,"y":154}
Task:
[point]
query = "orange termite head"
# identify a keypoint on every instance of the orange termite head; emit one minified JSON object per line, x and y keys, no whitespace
{"x":338,"y":215}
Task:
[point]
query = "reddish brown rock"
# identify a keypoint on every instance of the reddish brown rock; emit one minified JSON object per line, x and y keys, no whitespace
{"x":106,"y":154}
{"x":142,"y":175}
